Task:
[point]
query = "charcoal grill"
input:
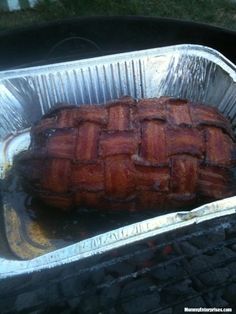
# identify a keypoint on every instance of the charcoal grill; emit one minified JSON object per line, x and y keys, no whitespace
{"x":192,"y":267}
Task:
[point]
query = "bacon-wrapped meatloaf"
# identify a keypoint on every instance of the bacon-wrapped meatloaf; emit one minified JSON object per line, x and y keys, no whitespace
{"x":149,"y":154}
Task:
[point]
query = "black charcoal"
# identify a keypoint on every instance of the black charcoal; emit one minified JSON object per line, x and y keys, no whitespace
{"x":121,"y":269}
{"x":98,"y":276}
{"x":27,"y":300}
{"x":208,"y":240}
{"x":165,"y":272}
{"x":165,"y":311}
{"x":108,"y":296}
{"x":199,"y":263}
{"x":223,"y":255}
{"x":230,"y":294}
{"x":141,"y":304}
{"x":188,"y":248}
{"x":89,"y":305}
{"x":73,"y":286}
{"x":232,"y":268}
{"x":74,"y":303}
{"x":233,"y":247}
{"x":194,"y":302}
{"x":137,"y":287}
{"x":214,"y":277}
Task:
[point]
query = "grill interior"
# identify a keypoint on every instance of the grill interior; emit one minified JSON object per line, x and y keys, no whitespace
{"x":192,"y":267}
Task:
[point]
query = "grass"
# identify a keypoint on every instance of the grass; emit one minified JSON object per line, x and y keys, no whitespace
{"x":217,"y":12}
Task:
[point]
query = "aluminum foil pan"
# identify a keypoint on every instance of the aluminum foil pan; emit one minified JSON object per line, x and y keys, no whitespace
{"x":194,"y":72}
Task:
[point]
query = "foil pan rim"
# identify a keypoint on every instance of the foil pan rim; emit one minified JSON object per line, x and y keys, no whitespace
{"x":119,"y":237}
{"x":225,"y":63}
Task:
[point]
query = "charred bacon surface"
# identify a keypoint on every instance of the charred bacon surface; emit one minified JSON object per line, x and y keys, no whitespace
{"x":148,"y":154}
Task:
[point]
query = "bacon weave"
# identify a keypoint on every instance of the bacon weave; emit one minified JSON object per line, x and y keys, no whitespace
{"x":158,"y":154}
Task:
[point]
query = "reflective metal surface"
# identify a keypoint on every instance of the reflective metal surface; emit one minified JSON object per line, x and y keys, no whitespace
{"x":119,"y":237}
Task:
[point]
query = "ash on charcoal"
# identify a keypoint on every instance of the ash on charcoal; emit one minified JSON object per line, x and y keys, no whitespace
{"x":195,"y":302}
{"x":189,"y":249}
{"x":168,"y":271}
{"x":108,"y":296}
{"x":141,"y":304}
{"x":215,"y":276}
{"x":121,"y":269}
{"x":229,"y":294}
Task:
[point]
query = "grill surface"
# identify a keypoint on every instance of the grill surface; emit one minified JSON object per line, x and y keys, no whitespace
{"x":194,"y":267}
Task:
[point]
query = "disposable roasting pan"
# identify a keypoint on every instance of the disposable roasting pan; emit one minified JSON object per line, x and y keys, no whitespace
{"x":193,"y":72}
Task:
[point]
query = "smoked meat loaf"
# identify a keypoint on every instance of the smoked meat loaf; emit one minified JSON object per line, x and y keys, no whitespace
{"x":159,"y":153}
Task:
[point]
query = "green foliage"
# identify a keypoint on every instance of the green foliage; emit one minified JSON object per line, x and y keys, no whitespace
{"x":222,"y":12}
{"x":63,"y":8}
{"x":217,"y":12}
